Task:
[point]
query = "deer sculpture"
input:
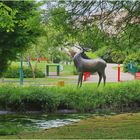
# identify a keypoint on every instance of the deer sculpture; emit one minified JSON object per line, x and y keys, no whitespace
{"x":84,"y":64}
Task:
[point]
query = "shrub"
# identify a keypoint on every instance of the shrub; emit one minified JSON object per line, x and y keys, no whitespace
{"x":14,"y":72}
{"x":105,"y":53}
{"x":111,"y":55}
{"x":113,"y":97}
{"x":118,"y":56}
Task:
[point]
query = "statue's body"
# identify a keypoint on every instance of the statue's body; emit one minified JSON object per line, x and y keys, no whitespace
{"x":85,"y":64}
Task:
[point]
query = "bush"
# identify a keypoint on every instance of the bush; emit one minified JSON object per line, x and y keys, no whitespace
{"x":114,"y":97}
{"x":14,"y":72}
{"x":138,"y":67}
{"x":105,"y":53}
{"x":118,"y":56}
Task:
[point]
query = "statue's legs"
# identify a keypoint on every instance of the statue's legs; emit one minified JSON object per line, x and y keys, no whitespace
{"x":100,"y":78}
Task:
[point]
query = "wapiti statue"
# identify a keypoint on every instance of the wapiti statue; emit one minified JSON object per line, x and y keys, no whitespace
{"x":84,"y":64}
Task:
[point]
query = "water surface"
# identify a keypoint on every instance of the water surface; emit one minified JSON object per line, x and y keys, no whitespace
{"x":15,"y":123}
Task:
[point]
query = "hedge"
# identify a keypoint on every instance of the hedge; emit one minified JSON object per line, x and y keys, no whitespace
{"x":14,"y":72}
{"x":113,"y":97}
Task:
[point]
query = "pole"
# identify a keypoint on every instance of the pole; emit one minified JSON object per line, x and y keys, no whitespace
{"x":85,"y":76}
{"x":58,"y":70}
{"x":119,"y":73}
{"x":21,"y":70}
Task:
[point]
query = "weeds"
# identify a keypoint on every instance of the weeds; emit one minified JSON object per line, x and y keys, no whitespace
{"x":114,"y":97}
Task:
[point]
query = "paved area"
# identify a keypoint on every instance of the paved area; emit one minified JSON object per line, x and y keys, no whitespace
{"x":111,"y":75}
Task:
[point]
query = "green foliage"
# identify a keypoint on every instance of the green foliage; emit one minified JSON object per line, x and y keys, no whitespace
{"x":134,"y":59}
{"x":91,"y":37}
{"x":129,"y":40}
{"x":14,"y":72}
{"x":60,"y":31}
{"x":138,"y":67}
{"x":118,"y":56}
{"x":56,"y":35}
{"x":111,"y":54}
{"x":21,"y":26}
{"x":105,"y":53}
{"x":114,"y":97}
{"x":120,"y":126}
{"x":8,"y":130}
{"x":7,"y":21}
{"x":92,"y":55}
{"x":74,"y":21}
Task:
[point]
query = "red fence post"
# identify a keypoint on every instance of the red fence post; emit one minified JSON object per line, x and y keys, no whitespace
{"x":119,"y":73}
{"x":85,"y":76}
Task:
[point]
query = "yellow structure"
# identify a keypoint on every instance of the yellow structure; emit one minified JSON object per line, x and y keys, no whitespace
{"x":60,"y":83}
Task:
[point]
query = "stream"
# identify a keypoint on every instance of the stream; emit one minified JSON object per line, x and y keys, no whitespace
{"x":15,"y":123}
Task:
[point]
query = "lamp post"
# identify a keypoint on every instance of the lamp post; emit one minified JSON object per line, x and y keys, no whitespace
{"x":21,"y":70}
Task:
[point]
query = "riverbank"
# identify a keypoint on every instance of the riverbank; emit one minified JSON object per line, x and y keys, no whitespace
{"x":122,"y":126}
{"x":114,"y":97}
{"x":15,"y":123}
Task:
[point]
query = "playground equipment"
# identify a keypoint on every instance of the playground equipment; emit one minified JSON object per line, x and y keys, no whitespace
{"x":90,"y":65}
{"x":21,"y":70}
{"x":131,"y":68}
{"x":53,"y":65}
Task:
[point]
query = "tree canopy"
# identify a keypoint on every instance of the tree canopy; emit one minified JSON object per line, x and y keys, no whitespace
{"x":98,"y":24}
{"x":20,"y":24}
{"x":107,"y":26}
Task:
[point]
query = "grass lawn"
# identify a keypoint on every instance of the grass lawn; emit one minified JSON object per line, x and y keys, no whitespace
{"x":67,"y":69}
{"x":123,"y":126}
{"x":40,"y":81}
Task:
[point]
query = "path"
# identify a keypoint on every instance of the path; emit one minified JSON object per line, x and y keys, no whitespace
{"x":111,"y":75}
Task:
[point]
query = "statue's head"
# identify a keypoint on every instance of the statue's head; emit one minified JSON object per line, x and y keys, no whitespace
{"x":72,"y":53}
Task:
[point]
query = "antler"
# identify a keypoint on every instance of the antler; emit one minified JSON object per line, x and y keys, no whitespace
{"x":82,"y":48}
{"x":78,"y":47}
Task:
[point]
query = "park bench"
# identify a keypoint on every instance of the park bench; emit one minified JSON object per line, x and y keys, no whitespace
{"x":137,"y":75}
{"x":53,"y":65}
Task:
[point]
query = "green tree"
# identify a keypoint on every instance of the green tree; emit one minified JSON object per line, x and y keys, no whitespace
{"x":97,"y":24}
{"x":7,"y":17}
{"x":21,"y":24}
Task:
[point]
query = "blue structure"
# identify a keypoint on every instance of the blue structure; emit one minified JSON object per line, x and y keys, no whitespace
{"x":21,"y":70}
{"x":54,"y":65}
{"x":131,"y":68}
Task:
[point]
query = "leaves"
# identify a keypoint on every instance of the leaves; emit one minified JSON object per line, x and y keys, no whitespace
{"x":7,"y":17}
{"x":20,"y":25}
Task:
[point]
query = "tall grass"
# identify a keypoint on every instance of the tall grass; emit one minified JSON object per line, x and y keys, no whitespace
{"x":89,"y":98}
